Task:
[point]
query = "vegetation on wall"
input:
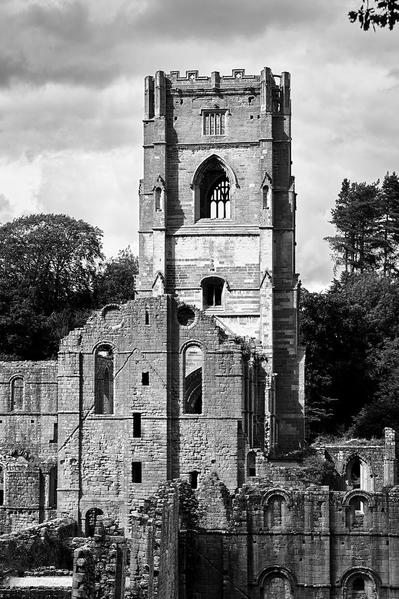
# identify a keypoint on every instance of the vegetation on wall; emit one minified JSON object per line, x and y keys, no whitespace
{"x":52,"y":273}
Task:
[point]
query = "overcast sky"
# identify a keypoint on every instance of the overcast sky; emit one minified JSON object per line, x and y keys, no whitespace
{"x":71,"y":101}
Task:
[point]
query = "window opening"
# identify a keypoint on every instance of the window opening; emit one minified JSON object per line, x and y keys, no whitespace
{"x":2,"y":485}
{"x":136,"y":424}
{"x":265,"y":197}
{"x":104,"y":381}
{"x":136,"y":472}
{"x":158,"y":199}
{"x":251,"y":464}
{"x":212,"y":191}
{"x":147,"y":317}
{"x":212,"y":290}
{"x":193,"y":363}
{"x":219,"y":199}
{"x":91,"y":521}
{"x":194,"y":479}
{"x":55,"y":433}
{"x":145,"y":378}
{"x":214,"y":123}
{"x":52,"y":489}
{"x":17,"y":393}
{"x":358,"y":584}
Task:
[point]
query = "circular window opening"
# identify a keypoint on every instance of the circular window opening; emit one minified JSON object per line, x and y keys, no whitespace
{"x":185,"y":316}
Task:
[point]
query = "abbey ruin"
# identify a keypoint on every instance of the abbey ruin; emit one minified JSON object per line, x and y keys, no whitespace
{"x":160,"y":456}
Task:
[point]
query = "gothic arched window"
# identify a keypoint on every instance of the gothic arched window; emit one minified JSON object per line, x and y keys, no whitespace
{"x":192,"y":385}
{"x":104,"y":380}
{"x":212,"y":190}
{"x":17,"y":393}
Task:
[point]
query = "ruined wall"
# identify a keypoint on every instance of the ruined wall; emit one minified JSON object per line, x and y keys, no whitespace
{"x":28,"y":442}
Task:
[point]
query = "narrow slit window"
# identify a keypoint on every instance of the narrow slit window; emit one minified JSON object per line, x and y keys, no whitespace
{"x":194,"y":479}
{"x":146,"y":317}
{"x":1,"y":485}
{"x":52,"y":491}
{"x":145,"y":378}
{"x":55,"y":433}
{"x":136,"y":424}
{"x":136,"y":472}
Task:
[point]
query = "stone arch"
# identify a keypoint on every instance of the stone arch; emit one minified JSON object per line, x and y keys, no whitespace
{"x":358,"y":474}
{"x":104,"y":379}
{"x":192,"y":373}
{"x":360,"y":583}
{"x":90,"y":520}
{"x":17,"y":393}
{"x":277,"y":582}
{"x":251,"y":463}
{"x":357,"y":504}
{"x":213,"y":185}
{"x":275,"y":508}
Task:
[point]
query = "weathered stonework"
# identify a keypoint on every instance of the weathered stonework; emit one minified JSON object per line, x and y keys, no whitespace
{"x":178,"y":417}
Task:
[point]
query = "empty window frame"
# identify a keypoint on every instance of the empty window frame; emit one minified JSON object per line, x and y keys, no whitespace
{"x":52,"y":488}
{"x":17,"y":394}
{"x":212,"y":190}
{"x":91,"y":520}
{"x":192,"y":384}
{"x":104,"y":380}
{"x":214,"y":122}
{"x":212,"y":292}
{"x":193,"y":479}
{"x":251,"y":464}
{"x":136,"y":424}
{"x":136,"y":472}
{"x":145,"y":378}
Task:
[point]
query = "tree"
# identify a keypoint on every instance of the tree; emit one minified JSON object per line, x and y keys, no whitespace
{"x":48,"y":265}
{"x":116,"y":282}
{"x":352,"y":352}
{"x":389,"y":224}
{"x":376,"y":13}
{"x":356,"y":217}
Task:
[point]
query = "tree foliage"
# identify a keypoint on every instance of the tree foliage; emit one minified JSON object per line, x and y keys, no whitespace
{"x":376,"y":13}
{"x":52,"y":274}
{"x":116,"y":282}
{"x":350,"y":331}
{"x":366,"y":218}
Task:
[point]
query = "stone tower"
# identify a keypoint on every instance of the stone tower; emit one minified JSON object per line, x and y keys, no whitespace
{"x":217,"y":217}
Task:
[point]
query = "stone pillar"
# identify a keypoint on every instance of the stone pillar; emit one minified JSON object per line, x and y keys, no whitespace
{"x":83,"y":586}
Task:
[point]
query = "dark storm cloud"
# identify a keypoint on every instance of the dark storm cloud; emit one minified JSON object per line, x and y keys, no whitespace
{"x":93,"y":43}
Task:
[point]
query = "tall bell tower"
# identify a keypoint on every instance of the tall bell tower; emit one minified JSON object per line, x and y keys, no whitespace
{"x":217,"y":217}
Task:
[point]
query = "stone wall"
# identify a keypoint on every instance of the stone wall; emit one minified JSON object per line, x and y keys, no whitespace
{"x":37,"y":546}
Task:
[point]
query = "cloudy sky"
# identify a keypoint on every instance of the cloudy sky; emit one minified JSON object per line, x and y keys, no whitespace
{"x":71,"y":101}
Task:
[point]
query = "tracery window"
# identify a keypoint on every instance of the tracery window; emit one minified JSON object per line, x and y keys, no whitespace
{"x":219,"y":199}
{"x":17,"y":393}
{"x":212,"y":190}
{"x":104,"y":380}
{"x":192,"y":385}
